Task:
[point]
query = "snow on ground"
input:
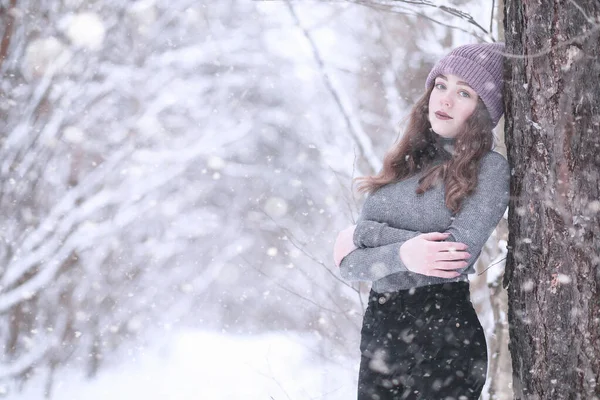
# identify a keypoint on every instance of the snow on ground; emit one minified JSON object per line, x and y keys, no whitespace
{"x":204,"y":365}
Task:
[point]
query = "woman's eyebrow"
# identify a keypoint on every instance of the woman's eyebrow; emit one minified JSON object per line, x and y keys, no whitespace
{"x":458,"y":83}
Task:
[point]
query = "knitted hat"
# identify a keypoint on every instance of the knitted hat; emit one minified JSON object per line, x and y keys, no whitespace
{"x":482,"y":67}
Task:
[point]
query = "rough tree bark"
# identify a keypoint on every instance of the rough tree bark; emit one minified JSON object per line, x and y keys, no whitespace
{"x":553,"y":142}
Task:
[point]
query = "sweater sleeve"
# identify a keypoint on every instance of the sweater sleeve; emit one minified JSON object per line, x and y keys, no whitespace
{"x":481,"y":212}
{"x":372,"y":263}
{"x":375,"y":234}
{"x":378,"y":252}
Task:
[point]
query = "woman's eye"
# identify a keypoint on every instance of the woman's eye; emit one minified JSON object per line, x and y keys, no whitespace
{"x":440,"y":86}
{"x":465,"y":94}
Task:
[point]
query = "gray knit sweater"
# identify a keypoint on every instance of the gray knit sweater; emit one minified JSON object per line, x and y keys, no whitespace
{"x":395,"y":214}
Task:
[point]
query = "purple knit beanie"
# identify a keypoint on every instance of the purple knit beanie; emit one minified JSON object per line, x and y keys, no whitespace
{"x":482,"y":67}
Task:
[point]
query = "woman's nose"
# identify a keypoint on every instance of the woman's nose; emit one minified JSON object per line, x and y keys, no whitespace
{"x":446,"y":101}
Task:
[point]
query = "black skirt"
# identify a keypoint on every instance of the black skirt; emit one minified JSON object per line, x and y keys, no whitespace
{"x":423,"y":343}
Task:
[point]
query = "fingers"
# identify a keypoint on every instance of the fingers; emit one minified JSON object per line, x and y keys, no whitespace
{"x":449,"y":246}
{"x":443,"y":246}
{"x":343,"y":245}
{"x":451,"y":255}
{"x":435,"y":236}
{"x":443,"y":274}
{"x":337,"y":250}
{"x":349,"y":229}
{"x":336,"y":257}
{"x":449,"y":265}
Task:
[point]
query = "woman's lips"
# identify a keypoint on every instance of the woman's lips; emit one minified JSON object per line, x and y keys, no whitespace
{"x":441,"y":115}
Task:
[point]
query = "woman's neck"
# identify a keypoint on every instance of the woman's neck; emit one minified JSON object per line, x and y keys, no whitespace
{"x":447,"y":144}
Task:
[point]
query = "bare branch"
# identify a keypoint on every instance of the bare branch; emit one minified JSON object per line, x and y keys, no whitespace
{"x":395,"y":7}
{"x":354,"y":127}
{"x":291,"y":291}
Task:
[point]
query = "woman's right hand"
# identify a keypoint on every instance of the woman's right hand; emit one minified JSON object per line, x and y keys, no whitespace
{"x":426,"y":254}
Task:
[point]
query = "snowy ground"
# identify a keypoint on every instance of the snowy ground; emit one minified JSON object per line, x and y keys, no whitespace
{"x":201,"y":365}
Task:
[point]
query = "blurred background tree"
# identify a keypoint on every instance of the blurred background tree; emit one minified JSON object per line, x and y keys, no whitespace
{"x":180,"y":163}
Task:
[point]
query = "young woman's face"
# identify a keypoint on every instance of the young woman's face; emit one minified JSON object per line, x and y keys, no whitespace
{"x":451,"y":103}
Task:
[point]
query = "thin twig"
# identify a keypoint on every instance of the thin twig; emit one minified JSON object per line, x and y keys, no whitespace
{"x":590,"y":20}
{"x":342,"y":189}
{"x":485,"y":270}
{"x":289,"y":290}
{"x":551,"y":48}
{"x":293,"y":240}
{"x":393,"y":7}
{"x":492,"y":16}
{"x":362,"y":140}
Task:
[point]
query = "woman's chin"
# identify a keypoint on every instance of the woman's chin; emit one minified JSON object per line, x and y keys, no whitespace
{"x":443,"y":133}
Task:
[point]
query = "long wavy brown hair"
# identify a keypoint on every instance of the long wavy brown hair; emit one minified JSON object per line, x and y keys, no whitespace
{"x":420,"y":146}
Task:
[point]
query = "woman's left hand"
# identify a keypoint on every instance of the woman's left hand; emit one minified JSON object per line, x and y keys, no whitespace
{"x":344,"y":244}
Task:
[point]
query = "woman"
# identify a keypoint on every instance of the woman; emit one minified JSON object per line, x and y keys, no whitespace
{"x":440,"y":194}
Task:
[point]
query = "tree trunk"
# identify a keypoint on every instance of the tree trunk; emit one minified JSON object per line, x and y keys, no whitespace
{"x":553,"y":142}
